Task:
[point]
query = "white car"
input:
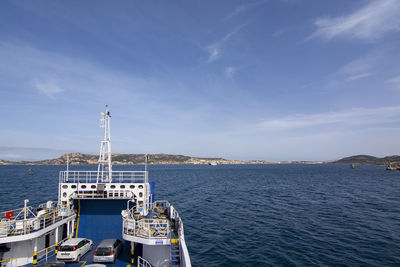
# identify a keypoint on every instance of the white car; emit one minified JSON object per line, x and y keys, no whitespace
{"x":73,"y":249}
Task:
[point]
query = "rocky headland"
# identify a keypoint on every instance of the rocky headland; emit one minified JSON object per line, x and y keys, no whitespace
{"x":392,"y":162}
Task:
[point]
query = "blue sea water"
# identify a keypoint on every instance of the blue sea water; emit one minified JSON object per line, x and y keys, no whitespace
{"x":262,"y":215}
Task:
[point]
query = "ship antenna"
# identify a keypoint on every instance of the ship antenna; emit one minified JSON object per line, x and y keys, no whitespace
{"x":67,"y":166}
{"x":146,"y":158}
{"x":104,"y":170}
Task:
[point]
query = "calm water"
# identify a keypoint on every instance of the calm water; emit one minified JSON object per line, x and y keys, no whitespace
{"x":262,"y":215}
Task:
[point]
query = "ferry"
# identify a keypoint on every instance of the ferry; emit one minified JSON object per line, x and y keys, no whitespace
{"x":96,"y":206}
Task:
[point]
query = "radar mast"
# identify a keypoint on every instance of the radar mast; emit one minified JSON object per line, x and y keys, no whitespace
{"x":104,"y":170}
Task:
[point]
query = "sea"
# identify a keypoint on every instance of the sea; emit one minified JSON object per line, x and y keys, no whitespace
{"x":261,"y":215}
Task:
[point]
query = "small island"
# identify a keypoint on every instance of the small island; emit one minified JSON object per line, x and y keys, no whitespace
{"x":392,"y":162}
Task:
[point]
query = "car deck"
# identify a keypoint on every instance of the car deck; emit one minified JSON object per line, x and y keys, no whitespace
{"x":123,"y":259}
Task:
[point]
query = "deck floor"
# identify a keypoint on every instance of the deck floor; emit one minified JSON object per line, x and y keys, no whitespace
{"x":123,"y":259}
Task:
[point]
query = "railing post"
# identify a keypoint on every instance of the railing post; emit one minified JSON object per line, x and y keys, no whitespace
{"x":56,"y":241}
{"x":34,"y":260}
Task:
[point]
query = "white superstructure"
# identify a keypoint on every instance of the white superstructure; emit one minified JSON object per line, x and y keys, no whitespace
{"x":28,"y":234}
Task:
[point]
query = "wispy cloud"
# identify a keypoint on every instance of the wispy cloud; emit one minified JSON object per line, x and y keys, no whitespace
{"x":395,"y":81}
{"x":357,"y":69}
{"x":357,"y":116}
{"x":243,"y":8}
{"x":359,"y":76}
{"x":358,"y":66}
{"x":230,"y":71}
{"x":368,"y":23}
{"x":49,"y":87}
{"x":53,"y":74}
{"x":215,"y":50}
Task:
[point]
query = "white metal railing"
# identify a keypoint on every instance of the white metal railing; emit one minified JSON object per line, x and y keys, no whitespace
{"x":147,"y":228}
{"x":110,"y":194}
{"x":45,"y":254}
{"x":160,"y":204}
{"x":27,"y":220}
{"x":93,"y":177}
{"x":143,"y":263}
{"x":9,"y":262}
{"x":159,"y":227}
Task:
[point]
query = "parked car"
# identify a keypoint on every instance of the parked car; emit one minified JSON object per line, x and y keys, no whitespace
{"x":73,"y":249}
{"x":108,"y":250}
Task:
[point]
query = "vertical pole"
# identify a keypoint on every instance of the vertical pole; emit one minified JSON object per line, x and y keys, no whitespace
{"x":68,"y":230}
{"x":72,"y":229}
{"x":132,"y":253}
{"x":25,"y":212}
{"x":67,"y":166}
{"x":109,"y":143}
{"x":34,"y":261}
{"x":56,"y":241}
{"x":145,"y":163}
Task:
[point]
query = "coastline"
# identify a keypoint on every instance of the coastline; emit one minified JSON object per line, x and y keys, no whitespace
{"x":162,"y":159}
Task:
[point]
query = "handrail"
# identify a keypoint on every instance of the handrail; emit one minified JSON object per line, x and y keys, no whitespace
{"x":19,"y":213}
{"x":184,"y":253}
{"x":92,"y":177}
{"x":161,"y":203}
{"x":8,"y":260}
{"x":43,"y":254}
{"x":30,"y":220}
{"x":147,"y":228}
{"x":143,"y":263}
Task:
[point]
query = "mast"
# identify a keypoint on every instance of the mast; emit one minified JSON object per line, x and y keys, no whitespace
{"x":104,"y":170}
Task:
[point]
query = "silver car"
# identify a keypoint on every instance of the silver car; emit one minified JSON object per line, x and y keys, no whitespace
{"x":108,"y":250}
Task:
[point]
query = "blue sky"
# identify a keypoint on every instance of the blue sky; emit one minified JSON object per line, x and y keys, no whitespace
{"x":273,"y":80}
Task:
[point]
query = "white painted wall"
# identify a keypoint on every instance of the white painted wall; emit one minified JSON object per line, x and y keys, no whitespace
{"x":24,"y":251}
{"x":157,"y":255}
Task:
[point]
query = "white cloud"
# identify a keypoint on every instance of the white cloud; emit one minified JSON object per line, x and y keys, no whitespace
{"x":359,"y":76}
{"x":229,"y":72}
{"x":358,"y":66}
{"x":357,"y":69}
{"x":49,"y":87}
{"x":53,"y":75}
{"x":243,"y":8}
{"x":368,"y":23}
{"x":357,"y":116}
{"x":395,"y":81}
{"x":215,"y":50}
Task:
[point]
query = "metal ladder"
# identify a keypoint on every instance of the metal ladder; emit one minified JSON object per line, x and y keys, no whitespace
{"x":175,"y":256}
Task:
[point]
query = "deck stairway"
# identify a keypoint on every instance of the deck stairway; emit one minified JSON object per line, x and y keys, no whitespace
{"x":175,"y":257}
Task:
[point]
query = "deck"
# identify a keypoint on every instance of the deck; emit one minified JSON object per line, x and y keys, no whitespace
{"x":124,"y":258}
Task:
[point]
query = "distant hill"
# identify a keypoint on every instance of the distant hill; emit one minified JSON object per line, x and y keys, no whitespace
{"x":85,"y":159}
{"x":367,"y":159}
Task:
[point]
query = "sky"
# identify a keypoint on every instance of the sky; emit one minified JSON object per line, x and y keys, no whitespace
{"x":252,"y":80}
